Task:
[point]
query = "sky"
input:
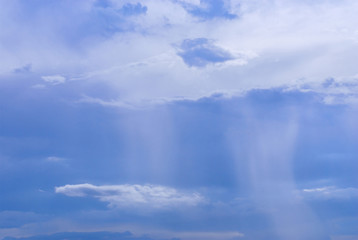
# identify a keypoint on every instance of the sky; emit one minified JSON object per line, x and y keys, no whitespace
{"x":178,"y":120}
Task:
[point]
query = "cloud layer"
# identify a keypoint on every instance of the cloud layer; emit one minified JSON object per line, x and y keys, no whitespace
{"x":133,"y":47}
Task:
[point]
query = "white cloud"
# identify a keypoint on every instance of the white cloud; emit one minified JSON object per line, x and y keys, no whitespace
{"x":54,"y":79}
{"x":330,"y":192}
{"x":148,"y":196}
{"x":107,"y":103}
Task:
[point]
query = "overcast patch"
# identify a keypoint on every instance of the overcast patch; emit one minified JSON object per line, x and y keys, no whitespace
{"x":133,"y":195}
{"x":200,"y":52}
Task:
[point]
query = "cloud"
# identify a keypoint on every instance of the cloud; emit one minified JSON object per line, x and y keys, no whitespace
{"x":192,"y":2}
{"x":38,"y":86}
{"x":140,"y":104}
{"x":342,"y":90}
{"x":105,"y":235}
{"x":133,"y":9}
{"x":210,"y":235}
{"x":263,"y":123}
{"x":345,"y":237}
{"x":12,"y":219}
{"x":107,"y":103}
{"x":55,"y":159}
{"x":83,"y":236}
{"x":149,"y":196}
{"x":24,"y":69}
{"x":308,"y":44}
{"x":208,"y":9}
{"x":54,"y":79}
{"x":201,"y":51}
{"x":330,"y":192}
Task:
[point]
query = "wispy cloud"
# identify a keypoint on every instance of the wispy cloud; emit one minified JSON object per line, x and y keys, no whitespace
{"x":54,"y":79}
{"x":330,"y":192}
{"x":149,"y":196}
{"x":106,"y":103}
{"x":23,"y":69}
{"x":55,"y":159}
{"x":345,"y":237}
{"x":210,"y":235}
{"x":83,"y":235}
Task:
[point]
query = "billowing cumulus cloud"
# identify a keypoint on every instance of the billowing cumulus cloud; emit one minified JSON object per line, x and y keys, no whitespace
{"x":133,"y":195}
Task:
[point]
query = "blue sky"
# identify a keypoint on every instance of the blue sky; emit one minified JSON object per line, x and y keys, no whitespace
{"x":178,"y":119}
